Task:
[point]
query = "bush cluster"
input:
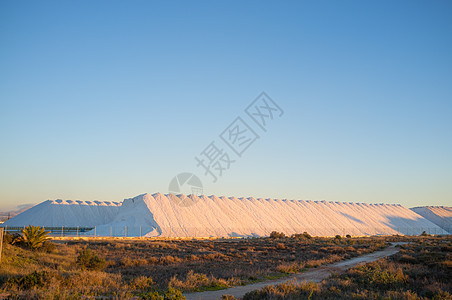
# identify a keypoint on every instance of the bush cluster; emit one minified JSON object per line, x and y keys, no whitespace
{"x":89,"y":260}
{"x":277,"y":235}
{"x":32,"y":280}
{"x":301,"y":236}
{"x":297,"y":236}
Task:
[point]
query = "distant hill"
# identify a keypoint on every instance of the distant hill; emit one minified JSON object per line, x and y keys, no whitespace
{"x":4,"y":215}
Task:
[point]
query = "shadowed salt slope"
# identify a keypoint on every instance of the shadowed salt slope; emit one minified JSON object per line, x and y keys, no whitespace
{"x":68,"y":213}
{"x":439,"y":215}
{"x":162,"y":215}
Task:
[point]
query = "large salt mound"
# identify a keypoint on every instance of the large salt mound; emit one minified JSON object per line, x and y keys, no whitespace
{"x":68,"y":213}
{"x":439,"y":215}
{"x":162,"y":215}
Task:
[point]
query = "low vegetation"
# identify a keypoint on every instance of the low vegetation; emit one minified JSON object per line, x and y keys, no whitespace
{"x":89,"y":260}
{"x":421,"y":270}
{"x":162,"y":269}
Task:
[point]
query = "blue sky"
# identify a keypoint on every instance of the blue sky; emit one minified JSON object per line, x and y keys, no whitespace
{"x":105,"y":100}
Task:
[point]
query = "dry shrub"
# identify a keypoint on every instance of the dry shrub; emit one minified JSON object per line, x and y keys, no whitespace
{"x":336,"y":250}
{"x":51,"y":285}
{"x":405,"y":258}
{"x":89,"y":260}
{"x":193,"y":257}
{"x":141,"y":283}
{"x":350,"y":249}
{"x":152,"y":260}
{"x":280,"y":246}
{"x":32,"y":280}
{"x":169,"y":259}
{"x":313,"y":263}
{"x":96,"y":282}
{"x":140,"y":262}
{"x":290,"y":267}
{"x":323,"y":249}
{"x":214,"y":256}
{"x":288,"y":289}
{"x":119,"y":245}
{"x":197,"y":281}
{"x":163,"y":245}
{"x":373,"y":275}
{"x":128,"y":262}
{"x":447,"y":264}
{"x":301,"y":236}
{"x":277,"y":235}
{"x":333,"y":258}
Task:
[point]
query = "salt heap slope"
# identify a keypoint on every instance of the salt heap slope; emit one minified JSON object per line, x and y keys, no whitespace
{"x":439,"y":215}
{"x":68,"y":213}
{"x":192,"y":216}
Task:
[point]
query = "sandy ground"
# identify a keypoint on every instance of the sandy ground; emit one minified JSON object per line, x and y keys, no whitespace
{"x":315,"y":275}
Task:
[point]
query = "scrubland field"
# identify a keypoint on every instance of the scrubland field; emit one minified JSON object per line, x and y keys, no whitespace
{"x":421,"y":270}
{"x":162,"y":269}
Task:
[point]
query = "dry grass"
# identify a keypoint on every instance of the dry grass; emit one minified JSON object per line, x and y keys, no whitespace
{"x":137,"y":267}
{"x":197,"y":282}
{"x":291,"y":289}
{"x":421,"y":270}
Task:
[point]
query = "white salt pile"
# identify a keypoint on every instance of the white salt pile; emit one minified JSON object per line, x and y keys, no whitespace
{"x":68,"y":213}
{"x":162,"y":215}
{"x":439,"y":215}
{"x":193,"y":216}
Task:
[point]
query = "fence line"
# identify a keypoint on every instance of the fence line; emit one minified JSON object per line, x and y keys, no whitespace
{"x":1,"y":244}
{"x":140,"y":231}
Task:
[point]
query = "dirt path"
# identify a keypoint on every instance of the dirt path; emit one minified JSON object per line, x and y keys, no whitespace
{"x":316,"y":275}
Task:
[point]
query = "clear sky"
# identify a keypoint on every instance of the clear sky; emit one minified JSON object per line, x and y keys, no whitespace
{"x":105,"y":100}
